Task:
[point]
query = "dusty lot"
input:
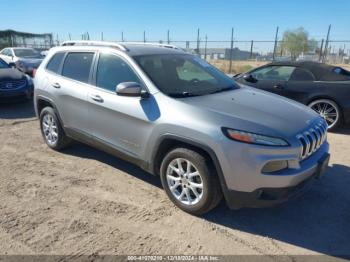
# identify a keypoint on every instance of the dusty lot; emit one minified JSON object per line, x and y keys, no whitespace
{"x":83,"y":201}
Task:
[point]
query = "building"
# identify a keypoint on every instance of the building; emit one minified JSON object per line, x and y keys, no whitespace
{"x":225,"y":54}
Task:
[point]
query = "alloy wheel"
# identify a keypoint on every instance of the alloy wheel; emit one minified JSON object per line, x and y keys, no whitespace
{"x":50,"y":129}
{"x":184,"y":181}
{"x":328,"y":110}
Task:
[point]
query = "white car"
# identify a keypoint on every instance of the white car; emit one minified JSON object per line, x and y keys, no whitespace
{"x":25,"y":59}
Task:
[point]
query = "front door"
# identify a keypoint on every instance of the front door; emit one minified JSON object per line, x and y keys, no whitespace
{"x":121,"y":122}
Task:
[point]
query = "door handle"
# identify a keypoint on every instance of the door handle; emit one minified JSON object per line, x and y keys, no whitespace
{"x":278,"y":86}
{"x":56,"y":85}
{"x":96,"y":98}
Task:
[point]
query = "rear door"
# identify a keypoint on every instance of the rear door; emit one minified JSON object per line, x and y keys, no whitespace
{"x":70,"y":87}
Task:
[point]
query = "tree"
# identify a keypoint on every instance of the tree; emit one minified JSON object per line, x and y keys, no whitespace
{"x":296,"y":42}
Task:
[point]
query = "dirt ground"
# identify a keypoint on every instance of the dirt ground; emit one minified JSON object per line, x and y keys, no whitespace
{"x":83,"y":201}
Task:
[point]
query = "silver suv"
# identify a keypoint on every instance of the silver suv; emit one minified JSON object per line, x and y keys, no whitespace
{"x":176,"y":116}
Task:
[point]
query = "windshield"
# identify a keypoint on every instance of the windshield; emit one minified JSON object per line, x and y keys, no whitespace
{"x":3,"y":64}
{"x":27,"y":53}
{"x":183,"y":75}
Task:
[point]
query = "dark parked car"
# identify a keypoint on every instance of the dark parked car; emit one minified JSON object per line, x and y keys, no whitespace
{"x":324,"y":88}
{"x":14,"y":85}
{"x":26,"y":59}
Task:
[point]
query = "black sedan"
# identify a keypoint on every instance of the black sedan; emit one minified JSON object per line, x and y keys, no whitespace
{"x":324,"y":88}
{"x":14,"y":85}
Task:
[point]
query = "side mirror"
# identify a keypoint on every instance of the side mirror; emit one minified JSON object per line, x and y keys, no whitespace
{"x":11,"y":64}
{"x":131,"y":89}
{"x":250,"y":78}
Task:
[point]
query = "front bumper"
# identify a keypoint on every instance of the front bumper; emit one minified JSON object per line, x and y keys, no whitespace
{"x":268,"y":197}
{"x":17,"y":94}
{"x":245,"y":185}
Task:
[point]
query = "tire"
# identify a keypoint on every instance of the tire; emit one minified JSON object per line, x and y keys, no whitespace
{"x":209,"y":195}
{"x":329,"y":110}
{"x":49,"y":124}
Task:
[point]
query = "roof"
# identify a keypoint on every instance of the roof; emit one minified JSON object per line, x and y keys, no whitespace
{"x":136,"y":50}
{"x":131,"y":48}
{"x":317,"y":69}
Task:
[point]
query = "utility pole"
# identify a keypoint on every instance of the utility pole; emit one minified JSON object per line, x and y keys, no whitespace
{"x":144,"y":36}
{"x":326,"y":46}
{"x":275,"y":46}
{"x":321,"y":51}
{"x":198,"y":42}
{"x":168,"y":36}
{"x":205,"y":47}
{"x":251,"y":49}
{"x":231,"y":50}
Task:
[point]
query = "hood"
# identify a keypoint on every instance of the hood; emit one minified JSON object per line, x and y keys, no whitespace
{"x":257,"y":111}
{"x":33,"y":62}
{"x":10,"y":74}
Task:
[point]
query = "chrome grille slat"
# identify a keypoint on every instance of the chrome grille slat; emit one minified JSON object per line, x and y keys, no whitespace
{"x":312,"y":139}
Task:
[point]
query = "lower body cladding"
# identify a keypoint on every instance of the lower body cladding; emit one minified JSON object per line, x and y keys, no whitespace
{"x":9,"y":95}
{"x":258,"y":176}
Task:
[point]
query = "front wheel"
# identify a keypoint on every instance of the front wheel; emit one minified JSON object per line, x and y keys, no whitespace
{"x":329,"y":110}
{"x":190,"y":181}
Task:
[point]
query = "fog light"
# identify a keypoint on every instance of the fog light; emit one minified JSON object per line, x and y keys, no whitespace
{"x":274,"y":166}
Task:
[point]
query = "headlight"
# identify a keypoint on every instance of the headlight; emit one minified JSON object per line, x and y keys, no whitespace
{"x":251,"y":138}
{"x":30,"y":80}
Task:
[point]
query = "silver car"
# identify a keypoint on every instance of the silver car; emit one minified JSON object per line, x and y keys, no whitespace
{"x":176,"y":116}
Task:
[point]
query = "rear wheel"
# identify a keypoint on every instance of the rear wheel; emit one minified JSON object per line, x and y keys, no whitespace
{"x":52,"y":130}
{"x":329,"y":110}
{"x":190,"y":181}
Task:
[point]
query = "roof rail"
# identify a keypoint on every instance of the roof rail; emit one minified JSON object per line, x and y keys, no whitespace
{"x":152,"y":44}
{"x":94,"y":43}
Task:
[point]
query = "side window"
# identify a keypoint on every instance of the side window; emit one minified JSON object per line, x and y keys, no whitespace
{"x":77,"y":66}
{"x":301,"y":74}
{"x":342,"y":74}
{"x":55,"y":62}
{"x":282,"y":73}
{"x":112,"y":70}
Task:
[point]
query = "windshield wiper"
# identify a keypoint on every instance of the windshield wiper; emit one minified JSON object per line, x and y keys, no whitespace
{"x":183,"y":94}
{"x":222,"y":90}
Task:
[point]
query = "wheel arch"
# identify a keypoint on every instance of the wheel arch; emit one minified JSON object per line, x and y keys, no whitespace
{"x":41,"y":102}
{"x":319,"y":97}
{"x":168,"y":142}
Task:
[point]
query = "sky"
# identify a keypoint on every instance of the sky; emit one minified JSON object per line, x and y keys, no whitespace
{"x":251,"y":19}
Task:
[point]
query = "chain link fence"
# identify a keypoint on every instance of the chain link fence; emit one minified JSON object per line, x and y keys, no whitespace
{"x":10,"y":38}
{"x":230,"y":56}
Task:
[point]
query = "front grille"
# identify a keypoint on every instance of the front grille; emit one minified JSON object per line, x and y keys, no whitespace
{"x":312,"y":139}
{"x":12,"y":84}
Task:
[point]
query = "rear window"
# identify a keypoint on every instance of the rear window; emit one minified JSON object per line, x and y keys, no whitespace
{"x":77,"y":66}
{"x":55,"y":62}
{"x":336,"y":74}
{"x":301,"y":74}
